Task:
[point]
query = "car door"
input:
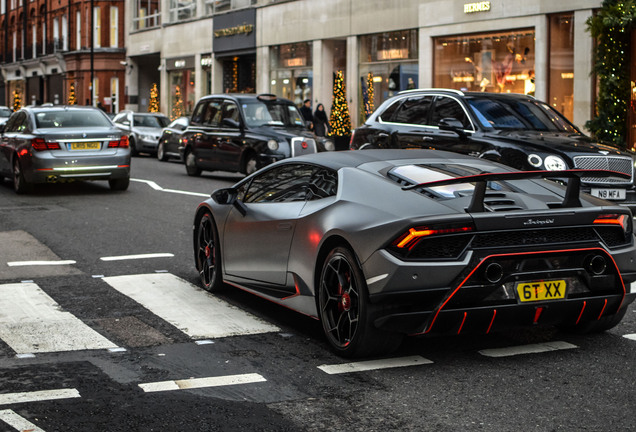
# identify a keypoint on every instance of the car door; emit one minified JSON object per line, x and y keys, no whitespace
{"x":206,"y":138}
{"x":460,"y":141}
{"x":410,"y":123}
{"x":7,"y":146}
{"x":13,"y":138}
{"x":230,"y":147}
{"x":256,"y":245}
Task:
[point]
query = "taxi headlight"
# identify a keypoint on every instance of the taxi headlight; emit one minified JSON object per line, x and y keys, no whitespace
{"x":272,"y":145}
{"x":554,"y":163}
{"x":329,"y":145}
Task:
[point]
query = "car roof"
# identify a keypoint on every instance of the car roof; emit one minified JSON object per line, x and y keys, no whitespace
{"x":467,"y":94}
{"x":244,"y":97}
{"x":43,"y":108}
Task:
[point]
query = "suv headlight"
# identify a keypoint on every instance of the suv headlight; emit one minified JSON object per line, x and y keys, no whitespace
{"x":272,"y":145}
{"x":554,"y":163}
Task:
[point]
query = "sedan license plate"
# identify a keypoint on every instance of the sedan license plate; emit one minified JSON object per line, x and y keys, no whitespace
{"x":541,"y":291}
{"x":86,"y":146}
{"x":609,"y":194}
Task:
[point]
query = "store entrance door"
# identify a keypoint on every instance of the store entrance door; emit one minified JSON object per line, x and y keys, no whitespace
{"x":239,"y":74}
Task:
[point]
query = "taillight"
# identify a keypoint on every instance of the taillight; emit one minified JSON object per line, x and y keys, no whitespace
{"x":39,"y":144}
{"x":121,"y":143}
{"x":413,"y":235}
{"x":623,"y":220}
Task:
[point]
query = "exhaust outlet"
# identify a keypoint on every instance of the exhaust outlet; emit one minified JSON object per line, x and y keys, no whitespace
{"x":597,"y":265}
{"x":493,"y":273}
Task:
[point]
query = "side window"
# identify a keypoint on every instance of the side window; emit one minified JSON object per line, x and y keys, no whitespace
{"x":446,"y":107}
{"x":10,"y":127}
{"x":230,"y":112}
{"x":207,"y":113}
{"x":18,"y":123}
{"x":285,"y":183}
{"x":388,"y":113}
{"x":414,"y":110}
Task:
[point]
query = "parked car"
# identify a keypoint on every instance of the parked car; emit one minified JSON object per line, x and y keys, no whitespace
{"x":382,"y":243}
{"x":244,"y":132}
{"x":5,"y":113}
{"x":517,"y":130}
{"x":63,"y":143}
{"x":143,"y":129}
{"x":170,"y":140}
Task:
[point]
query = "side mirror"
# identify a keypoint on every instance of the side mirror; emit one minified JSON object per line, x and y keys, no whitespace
{"x":453,"y":125}
{"x":229,"y":196}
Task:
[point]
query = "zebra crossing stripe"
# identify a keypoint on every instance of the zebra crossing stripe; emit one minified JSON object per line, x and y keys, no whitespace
{"x":32,"y":322}
{"x":194,"y":383}
{"x":374,"y":365}
{"x":630,"y":336}
{"x":11,"y":418}
{"x":195,"y":312}
{"x":527,"y":349}
{"x":37,"y":396}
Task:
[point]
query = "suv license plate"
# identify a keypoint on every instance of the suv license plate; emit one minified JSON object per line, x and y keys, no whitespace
{"x":541,"y":291}
{"x":609,"y":194}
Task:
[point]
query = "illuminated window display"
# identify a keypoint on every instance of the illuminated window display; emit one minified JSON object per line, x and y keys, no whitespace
{"x":561,"y":90}
{"x":291,"y":72}
{"x":490,"y":62}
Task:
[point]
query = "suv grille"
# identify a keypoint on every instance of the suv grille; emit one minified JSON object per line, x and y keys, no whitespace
{"x":612,"y":163}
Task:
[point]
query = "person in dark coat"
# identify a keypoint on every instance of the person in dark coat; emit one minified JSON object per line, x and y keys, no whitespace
{"x":305,"y":111}
{"x":321,"y":122}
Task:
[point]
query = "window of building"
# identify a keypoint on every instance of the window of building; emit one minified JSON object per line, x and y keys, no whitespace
{"x":44,"y":37}
{"x":56,"y":34}
{"x":78,"y":30}
{"x":216,"y":6}
{"x":488,"y":62}
{"x":291,"y":71}
{"x":114,"y":26}
{"x":561,"y":64}
{"x":97,"y":34}
{"x":146,"y":14}
{"x":181,"y":10}
{"x":95,"y":91}
{"x":114,"y":95}
{"x":34,"y":39}
{"x":64,"y":34}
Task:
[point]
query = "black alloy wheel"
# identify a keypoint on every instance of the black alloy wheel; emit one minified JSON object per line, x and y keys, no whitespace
{"x":20,"y":184}
{"x":208,"y":254}
{"x":251,"y":164}
{"x":191,"y":165}
{"x":345,"y":311}
{"x":133,"y":148}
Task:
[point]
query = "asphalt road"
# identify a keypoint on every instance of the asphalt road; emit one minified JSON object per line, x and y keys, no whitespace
{"x":102,"y":342}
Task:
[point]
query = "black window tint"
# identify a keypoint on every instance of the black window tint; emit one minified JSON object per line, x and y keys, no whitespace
{"x":413,"y":110}
{"x":17,"y":123}
{"x":230,"y":111}
{"x":208,"y":113}
{"x":446,"y":107}
{"x":11,"y":123}
{"x":387,"y":115}
{"x":286,"y":183}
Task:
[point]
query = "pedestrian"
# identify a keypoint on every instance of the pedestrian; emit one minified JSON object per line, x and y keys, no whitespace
{"x":305,"y":111}
{"x":321,"y":122}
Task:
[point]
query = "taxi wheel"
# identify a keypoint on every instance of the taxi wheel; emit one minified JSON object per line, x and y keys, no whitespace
{"x":191,"y":165}
{"x":250,"y":165}
{"x":207,"y":253}
{"x":20,"y":185}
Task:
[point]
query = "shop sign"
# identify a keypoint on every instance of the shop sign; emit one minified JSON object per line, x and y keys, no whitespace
{"x":178,"y":64}
{"x":236,"y":30}
{"x":393,"y":54}
{"x":477,"y":7}
{"x":206,"y":61}
{"x":295,"y":62}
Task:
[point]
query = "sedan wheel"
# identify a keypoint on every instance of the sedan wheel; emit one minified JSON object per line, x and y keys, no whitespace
{"x":161,"y":153}
{"x":345,"y":311}
{"x":191,"y":165}
{"x":207,"y":253}
{"x":133,"y":148}
{"x":20,"y":184}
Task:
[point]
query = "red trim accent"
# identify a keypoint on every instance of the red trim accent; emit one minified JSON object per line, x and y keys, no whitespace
{"x":581,"y":314}
{"x":537,"y":314}
{"x":494,"y":314}
{"x":297,"y":293}
{"x":463,"y":321}
{"x":430,"y":326}
{"x":602,"y":310}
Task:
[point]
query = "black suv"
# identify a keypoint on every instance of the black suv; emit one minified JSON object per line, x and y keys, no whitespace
{"x":244,"y":132}
{"x":514,"y":129}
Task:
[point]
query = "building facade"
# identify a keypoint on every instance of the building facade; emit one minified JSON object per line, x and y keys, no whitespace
{"x":63,"y":51}
{"x":293,"y":48}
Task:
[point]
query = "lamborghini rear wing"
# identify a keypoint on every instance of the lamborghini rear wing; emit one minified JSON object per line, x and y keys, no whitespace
{"x":572,"y":192}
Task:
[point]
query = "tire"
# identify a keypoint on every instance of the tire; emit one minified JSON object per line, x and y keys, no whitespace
{"x":20,"y":185}
{"x":605,"y":323}
{"x":133,"y":149}
{"x":250,"y":164}
{"x":207,"y":253}
{"x":191,"y":165}
{"x":119,"y":184}
{"x":345,"y":311}
{"x":161,"y":153}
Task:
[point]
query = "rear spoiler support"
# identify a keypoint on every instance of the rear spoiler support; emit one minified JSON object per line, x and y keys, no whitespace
{"x":572,"y":192}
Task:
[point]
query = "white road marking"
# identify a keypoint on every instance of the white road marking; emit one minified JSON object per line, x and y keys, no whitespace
{"x":37,"y":396}
{"x":39,"y":263}
{"x":186,"y":306}
{"x":138,"y":256}
{"x":527,"y":349}
{"x":156,"y":187}
{"x":374,"y":365}
{"x":32,"y":322}
{"x":195,"y":383}
{"x":630,"y":336}
{"x":19,"y":423}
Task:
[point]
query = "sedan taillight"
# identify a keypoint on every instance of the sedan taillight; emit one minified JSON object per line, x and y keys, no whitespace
{"x":122,"y":143}
{"x":39,"y":144}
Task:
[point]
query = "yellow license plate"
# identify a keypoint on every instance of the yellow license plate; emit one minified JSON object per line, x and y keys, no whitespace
{"x":541,"y":291}
{"x":86,"y":146}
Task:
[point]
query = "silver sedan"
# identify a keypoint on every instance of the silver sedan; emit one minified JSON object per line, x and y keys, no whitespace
{"x":63,"y":143}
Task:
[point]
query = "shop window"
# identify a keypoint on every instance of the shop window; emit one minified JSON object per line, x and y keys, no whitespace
{"x":147,"y":14}
{"x":489,"y":62}
{"x":561,"y":61}
{"x":181,"y":10}
{"x":291,"y":72}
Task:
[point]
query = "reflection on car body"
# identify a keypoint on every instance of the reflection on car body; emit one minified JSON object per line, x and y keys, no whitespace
{"x":63,"y":143}
{"x":143,"y":129}
{"x":379,"y":244}
{"x":513,"y":129}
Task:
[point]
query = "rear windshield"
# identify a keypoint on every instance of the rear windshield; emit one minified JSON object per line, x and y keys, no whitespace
{"x":518,"y":114}
{"x":5,"y":112}
{"x":259,"y":113}
{"x":150,"y":121}
{"x":71,"y":119}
